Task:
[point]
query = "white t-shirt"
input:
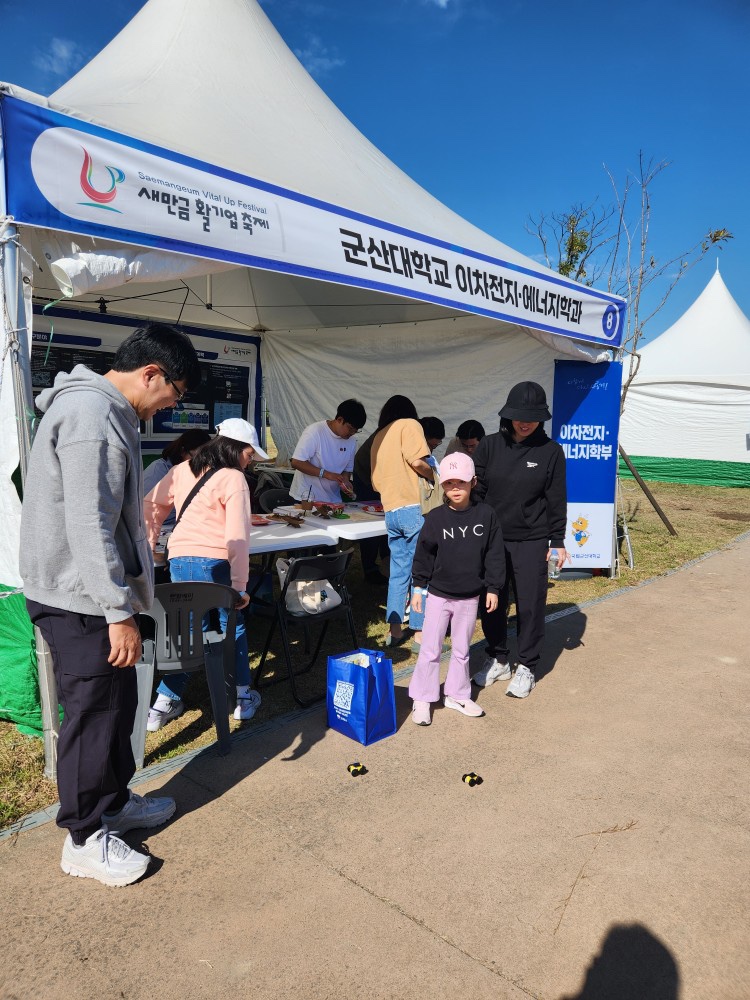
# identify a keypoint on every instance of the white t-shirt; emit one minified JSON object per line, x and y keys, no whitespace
{"x":319,"y":445}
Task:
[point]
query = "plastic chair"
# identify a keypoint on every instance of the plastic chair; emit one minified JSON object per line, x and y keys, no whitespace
{"x":269,"y":500}
{"x":307,"y":569}
{"x":180,"y":645}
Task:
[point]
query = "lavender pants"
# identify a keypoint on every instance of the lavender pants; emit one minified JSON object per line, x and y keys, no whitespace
{"x":439,"y":613}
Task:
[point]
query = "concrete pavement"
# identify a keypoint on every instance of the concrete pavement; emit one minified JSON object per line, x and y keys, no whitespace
{"x":605,"y":856}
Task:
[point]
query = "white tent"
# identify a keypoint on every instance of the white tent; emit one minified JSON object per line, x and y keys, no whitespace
{"x":193,"y":172}
{"x":220,"y":86}
{"x":687,"y":413}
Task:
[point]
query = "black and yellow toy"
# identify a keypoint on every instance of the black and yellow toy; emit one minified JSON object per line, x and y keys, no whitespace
{"x":356,"y":769}
{"x":472,"y":779}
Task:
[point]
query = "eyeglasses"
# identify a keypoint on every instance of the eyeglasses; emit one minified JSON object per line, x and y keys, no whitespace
{"x":179,"y":395}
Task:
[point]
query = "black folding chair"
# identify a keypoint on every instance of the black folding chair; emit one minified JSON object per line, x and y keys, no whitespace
{"x":307,"y":569}
{"x":271,"y":499}
{"x":174,"y":642}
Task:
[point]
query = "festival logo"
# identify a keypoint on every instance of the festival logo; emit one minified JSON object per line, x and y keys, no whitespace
{"x":99,"y":199}
{"x":580,"y":533}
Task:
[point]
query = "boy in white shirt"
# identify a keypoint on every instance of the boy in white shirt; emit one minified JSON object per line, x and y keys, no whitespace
{"x":323,"y":459}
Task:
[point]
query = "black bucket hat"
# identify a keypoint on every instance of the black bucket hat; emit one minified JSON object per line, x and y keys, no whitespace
{"x":526,"y":401}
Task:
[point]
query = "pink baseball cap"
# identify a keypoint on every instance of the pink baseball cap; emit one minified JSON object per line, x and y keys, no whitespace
{"x":457,"y":466}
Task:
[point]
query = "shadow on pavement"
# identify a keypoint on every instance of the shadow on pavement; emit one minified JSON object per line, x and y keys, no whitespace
{"x":632,"y":965}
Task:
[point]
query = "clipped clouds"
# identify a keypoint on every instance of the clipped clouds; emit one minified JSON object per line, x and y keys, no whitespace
{"x":61,"y":58}
{"x":317,"y":59}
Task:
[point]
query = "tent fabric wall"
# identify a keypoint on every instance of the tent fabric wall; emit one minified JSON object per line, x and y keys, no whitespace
{"x":454,"y":370}
{"x":687,"y":414}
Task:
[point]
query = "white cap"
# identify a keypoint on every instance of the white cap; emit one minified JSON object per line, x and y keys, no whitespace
{"x":240,"y":430}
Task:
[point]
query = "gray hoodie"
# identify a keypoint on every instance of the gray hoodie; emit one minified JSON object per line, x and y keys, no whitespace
{"x":83,"y":540}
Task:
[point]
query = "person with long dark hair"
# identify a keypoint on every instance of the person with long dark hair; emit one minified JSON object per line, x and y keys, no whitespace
{"x":399,"y":457}
{"x":521,"y":474}
{"x":179,"y":450}
{"x":210,"y":544}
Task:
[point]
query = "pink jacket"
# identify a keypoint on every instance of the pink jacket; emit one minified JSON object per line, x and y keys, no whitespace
{"x":216,"y":525}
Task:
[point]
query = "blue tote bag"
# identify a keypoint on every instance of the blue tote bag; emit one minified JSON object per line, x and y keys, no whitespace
{"x":360,"y":697}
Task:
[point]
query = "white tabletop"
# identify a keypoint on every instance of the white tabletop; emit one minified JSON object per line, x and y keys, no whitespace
{"x":370,"y":526}
{"x":280,"y":537}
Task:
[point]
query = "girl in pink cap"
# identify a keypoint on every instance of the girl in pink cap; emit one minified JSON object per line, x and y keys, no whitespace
{"x":460,"y":554}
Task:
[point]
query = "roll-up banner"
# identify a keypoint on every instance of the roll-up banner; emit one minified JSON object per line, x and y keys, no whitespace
{"x":586,"y":421}
{"x":69,"y":175}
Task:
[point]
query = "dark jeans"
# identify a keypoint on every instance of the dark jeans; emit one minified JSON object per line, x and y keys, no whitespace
{"x":526,"y":570}
{"x":94,"y":757}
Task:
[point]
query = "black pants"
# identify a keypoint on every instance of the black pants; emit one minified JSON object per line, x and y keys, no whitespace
{"x":94,"y":757}
{"x":526,"y":569}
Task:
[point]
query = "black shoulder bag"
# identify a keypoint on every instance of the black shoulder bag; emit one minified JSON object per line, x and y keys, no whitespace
{"x":188,"y":500}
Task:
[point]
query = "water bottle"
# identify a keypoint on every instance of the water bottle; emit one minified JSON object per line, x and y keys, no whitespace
{"x":553,"y":565}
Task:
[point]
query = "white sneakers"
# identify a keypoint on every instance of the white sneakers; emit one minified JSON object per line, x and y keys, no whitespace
{"x":491,"y":671}
{"x":522,"y":684}
{"x":248,"y":701}
{"x":520,"y":687}
{"x":166,"y":709}
{"x":105,"y":858}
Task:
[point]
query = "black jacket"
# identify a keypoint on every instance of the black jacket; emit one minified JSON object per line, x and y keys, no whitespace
{"x":460,"y":551}
{"x":525,"y":485}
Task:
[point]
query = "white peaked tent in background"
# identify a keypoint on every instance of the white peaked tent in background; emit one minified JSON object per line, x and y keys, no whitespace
{"x":687,"y":414}
{"x":193,"y":172}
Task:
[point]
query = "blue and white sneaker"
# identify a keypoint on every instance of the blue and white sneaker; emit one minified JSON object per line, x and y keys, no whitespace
{"x":164,"y":712}
{"x":248,"y":701}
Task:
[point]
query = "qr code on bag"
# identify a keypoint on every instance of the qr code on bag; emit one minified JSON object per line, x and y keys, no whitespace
{"x":342,"y":696}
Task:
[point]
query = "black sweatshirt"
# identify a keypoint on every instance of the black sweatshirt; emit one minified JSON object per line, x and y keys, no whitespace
{"x":525,"y":486}
{"x":459,"y":552}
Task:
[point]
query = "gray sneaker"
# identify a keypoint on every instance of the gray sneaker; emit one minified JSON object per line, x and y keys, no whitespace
{"x":522,"y":684}
{"x":138,"y":813}
{"x":491,"y":671}
{"x":104,"y":857}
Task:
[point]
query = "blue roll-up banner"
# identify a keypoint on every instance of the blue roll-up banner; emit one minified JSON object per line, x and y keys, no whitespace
{"x":586,"y":421}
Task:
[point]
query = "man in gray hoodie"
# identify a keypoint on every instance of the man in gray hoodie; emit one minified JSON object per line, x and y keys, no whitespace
{"x":87,"y":572}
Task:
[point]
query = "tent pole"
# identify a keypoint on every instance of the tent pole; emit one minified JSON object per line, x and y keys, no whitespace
{"x":20,"y":365}
{"x":649,"y":495}
{"x":20,"y":354}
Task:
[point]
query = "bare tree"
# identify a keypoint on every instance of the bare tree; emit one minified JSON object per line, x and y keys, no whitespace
{"x":608,"y":246}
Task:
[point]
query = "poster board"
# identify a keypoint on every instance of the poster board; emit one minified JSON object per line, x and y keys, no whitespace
{"x":585,"y":422}
{"x":230,"y":370}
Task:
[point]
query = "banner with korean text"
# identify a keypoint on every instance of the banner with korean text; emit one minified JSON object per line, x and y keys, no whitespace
{"x":69,"y":175}
{"x":586,"y":421}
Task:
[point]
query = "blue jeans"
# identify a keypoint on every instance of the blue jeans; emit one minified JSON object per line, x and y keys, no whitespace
{"x":403,"y":527}
{"x":199,"y":569}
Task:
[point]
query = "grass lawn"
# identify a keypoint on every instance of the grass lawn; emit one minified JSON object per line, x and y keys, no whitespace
{"x":705,"y":518}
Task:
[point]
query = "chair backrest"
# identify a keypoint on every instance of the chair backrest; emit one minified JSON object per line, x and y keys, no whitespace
{"x":269,"y":500}
{"x":177,"y":611}
{"x":331,"y":567}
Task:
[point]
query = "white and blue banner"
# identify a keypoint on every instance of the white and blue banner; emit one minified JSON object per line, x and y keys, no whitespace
{"x":586,"y":421}
{"x":69,"y":175}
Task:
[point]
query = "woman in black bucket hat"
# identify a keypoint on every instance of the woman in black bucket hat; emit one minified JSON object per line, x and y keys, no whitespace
{"x":521,"y":474}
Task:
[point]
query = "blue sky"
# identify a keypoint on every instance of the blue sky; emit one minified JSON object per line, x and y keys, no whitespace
{"x":506,"y":108}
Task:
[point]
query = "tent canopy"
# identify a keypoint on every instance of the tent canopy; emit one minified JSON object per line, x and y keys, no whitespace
{"x":687,"y":414}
